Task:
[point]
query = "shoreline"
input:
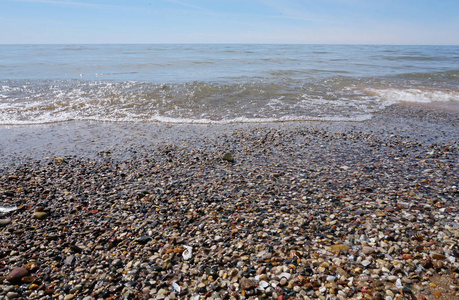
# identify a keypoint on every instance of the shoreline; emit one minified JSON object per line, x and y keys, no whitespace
{"x":450,"y":106}
{"x":308,"y":210}
{"x":88,"y":138}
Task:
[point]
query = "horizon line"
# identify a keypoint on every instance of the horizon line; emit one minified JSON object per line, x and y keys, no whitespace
{"x":222,"y":43}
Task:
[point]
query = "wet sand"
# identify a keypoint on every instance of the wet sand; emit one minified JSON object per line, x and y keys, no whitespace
{"x":89,"y":139}
{"x":308,"y":210}
{"x":450,"y":106}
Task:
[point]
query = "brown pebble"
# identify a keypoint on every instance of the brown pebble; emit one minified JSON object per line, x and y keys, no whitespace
{"x":438,"y":256}
{"x":340,"y":247}
{"x":17,"y":274}
{"x":40,"y":215}
{"x":28,"y":279}
{"x":31,"y":266}
{"x":407,"y":256}
{"x":247,"y":284}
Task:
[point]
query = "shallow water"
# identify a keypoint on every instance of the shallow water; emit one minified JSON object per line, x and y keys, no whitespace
{"x":91,"y":139}
{"x":219,"y":84}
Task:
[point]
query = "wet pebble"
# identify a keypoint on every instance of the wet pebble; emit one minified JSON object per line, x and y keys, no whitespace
{"x":311,"y":215}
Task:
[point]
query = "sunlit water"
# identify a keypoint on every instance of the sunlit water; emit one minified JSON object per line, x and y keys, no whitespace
{"x":219,"y":83}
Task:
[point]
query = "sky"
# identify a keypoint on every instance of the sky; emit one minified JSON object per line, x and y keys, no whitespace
{"x":406,"y":22}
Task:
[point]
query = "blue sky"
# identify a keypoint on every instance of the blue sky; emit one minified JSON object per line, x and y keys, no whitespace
{"x":430,"y":22}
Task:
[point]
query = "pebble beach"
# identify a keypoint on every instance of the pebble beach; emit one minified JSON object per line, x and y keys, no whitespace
{"x":299,"y":210}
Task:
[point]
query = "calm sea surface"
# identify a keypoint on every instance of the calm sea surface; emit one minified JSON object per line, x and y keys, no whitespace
{"x":218,"y":83}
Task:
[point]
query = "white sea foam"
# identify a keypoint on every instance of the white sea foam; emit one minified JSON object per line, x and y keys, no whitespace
{"x":393,"y":95}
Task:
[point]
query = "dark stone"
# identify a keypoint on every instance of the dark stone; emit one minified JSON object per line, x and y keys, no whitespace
{"x":407,"y":289}
{"x":143,"y":239}
{"x":228,"y":157}
{"x":156,"y":269}
{"x":75,"y":248}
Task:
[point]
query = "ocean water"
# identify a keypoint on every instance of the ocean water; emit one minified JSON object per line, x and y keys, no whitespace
{"x":219,"y":83}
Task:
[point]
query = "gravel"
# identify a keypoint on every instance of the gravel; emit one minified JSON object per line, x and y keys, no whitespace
{"x":270,"y":211}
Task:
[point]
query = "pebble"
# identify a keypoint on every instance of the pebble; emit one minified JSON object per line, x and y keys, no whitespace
{"x":366,"y":263}
{"x":41,"y":215}
{"x":228,"y":157}
{"x":5,"y":221}
{"x":284,"y":220}
{"x":247,"y":284}
{"x":16,"y":274}
{"x":367,"y":250}
{"x":12,"y":295}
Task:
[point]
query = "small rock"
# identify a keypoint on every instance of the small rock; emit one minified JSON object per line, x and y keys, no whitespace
{"x":340,"y":247}
{"x":283,"y":281}
{"x":59,"y":160}
{"x":342,"y":272}
{"x":12,"y":295}
{"x":16,"y":274}
{"x":398,"y":284}
{"x":32,"y":266}
{"x":247,"y":284}
{"x":438,"y":256}
{"x":390,"y":293}
{"x":41,"y":215}
{"x":28,"y":279}
{"x":367,"y":250}
{"x":407,"y":256}
{"x":69,"y":260}
{"x":144,"y":239}
{"x":5,"y":221}
{"x":228,"y":156}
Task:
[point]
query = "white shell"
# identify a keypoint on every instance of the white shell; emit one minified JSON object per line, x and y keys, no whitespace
{"x":262,"y":285}
{"x":286,"y":275}
{"x":398,"y":284}
{"x":176,"y":287}
{"x":5,"y":209}
{"x":187,"y":253}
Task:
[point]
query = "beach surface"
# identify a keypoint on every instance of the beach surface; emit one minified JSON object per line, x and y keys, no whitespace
{"x":305,"y":210}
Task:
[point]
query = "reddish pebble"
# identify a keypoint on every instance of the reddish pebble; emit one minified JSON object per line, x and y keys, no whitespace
{"x":50,"y":289}
{"x":407,"y":256}
{"x":17,"y":274}
{"x":438,"y":256}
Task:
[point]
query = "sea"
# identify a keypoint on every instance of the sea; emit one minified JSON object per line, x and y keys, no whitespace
{"x":219,"y":83}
